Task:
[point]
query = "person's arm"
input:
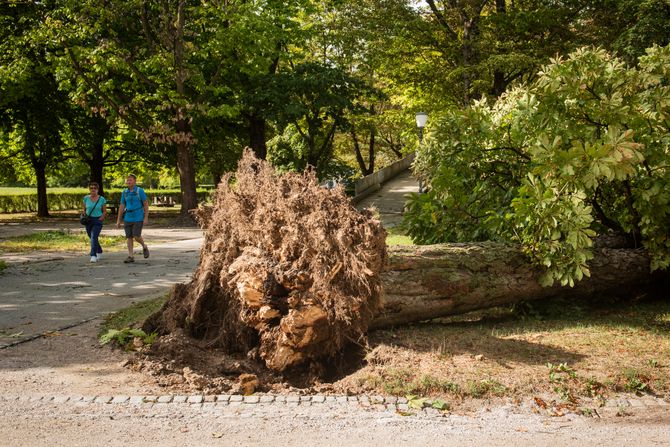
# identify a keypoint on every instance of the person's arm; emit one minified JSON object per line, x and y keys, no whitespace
{"x":83,"y":202}
{"x":104,"y":213}
{"x":145,"y":205}
{"x":122,"y":208}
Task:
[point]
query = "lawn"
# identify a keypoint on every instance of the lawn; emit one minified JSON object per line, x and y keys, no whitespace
{"x":568,"y":351}
{"x":57,"y":240}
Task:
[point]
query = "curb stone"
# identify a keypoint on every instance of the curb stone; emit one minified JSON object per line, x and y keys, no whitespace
{"x":389,"y":404}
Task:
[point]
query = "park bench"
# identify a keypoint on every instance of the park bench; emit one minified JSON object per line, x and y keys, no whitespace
{"x":112,"y":207}
{"x":167,"y":201}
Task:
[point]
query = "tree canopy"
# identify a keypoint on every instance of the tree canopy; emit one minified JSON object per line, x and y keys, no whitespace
{"x":182,"y":86}
{"x":581,"y":151}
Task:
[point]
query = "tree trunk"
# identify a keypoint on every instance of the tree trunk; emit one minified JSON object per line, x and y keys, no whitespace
{"x":499,"y":83}
{"x":97,"y":164}
{"x":41,"y":176}
{"x":426,"y":282}
{"x":186,"y":168}
{"x":184,"y":137}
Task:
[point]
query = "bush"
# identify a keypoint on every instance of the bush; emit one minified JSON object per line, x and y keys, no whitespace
{"x":23,"y":200}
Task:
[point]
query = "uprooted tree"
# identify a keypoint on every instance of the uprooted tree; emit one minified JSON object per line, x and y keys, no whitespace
{"x":291,"y":273}
{"x":288,"y":271}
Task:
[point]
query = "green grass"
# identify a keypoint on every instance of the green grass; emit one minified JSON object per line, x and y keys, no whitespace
{"x":398,"y":240}
{"x":3,"y":265}
{"x":12,"y":191}
{"x":132,"y":316}
{"x":397,"y":236}
{"x":15,"y":191}
{"x":59,"y":240}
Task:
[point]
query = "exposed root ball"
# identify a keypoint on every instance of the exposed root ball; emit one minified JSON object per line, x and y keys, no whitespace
{"x":289,"y":271}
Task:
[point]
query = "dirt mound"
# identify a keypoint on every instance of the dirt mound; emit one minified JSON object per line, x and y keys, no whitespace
{"x":288,"y":273}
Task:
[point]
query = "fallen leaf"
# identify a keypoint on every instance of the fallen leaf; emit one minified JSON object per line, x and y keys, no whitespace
{"x":51,"y":334}
{"x":540,"y":403}
{"x":217,"y":435}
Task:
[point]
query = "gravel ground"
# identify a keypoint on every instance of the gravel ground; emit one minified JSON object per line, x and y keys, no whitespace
{"x":31,"y":423}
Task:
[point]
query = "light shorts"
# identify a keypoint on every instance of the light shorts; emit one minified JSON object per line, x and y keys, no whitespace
{"x":133,"y":229}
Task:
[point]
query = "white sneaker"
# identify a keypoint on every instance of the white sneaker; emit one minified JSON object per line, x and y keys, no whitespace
{"x":94,"y":259}
{"x":99,"y":256}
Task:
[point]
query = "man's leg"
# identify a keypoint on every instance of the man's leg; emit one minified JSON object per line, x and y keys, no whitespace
{"x":128,"y":228}
{"x":145,"y":249}
{"x":129,"y":243}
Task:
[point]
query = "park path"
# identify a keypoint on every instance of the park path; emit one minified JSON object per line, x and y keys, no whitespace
{"x":46,"y":292}
{"x":390,"y":199}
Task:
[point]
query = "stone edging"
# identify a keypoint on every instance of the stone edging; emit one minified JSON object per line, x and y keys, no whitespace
{"x":617,"y":406}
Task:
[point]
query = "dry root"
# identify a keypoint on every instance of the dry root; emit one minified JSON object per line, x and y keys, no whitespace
{"x":288,"y":272}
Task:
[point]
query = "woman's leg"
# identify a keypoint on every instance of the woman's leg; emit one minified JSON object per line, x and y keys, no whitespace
{"x":89,"y":232}
{"x":95,"y":234}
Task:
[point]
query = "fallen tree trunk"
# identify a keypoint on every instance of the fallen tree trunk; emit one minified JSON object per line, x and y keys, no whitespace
{"x":426,"y":282}
{"x":291,"y":273}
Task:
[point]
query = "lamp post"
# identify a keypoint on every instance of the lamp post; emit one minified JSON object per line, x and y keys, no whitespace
{"x":421,"y":119}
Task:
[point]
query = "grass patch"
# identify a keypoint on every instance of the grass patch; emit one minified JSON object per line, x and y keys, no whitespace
{"x":397,"y":236}
{"x":58,"y":240}
{"x":575,"y":351}
{"x":132,"y":316}
{"x":3,"y":265}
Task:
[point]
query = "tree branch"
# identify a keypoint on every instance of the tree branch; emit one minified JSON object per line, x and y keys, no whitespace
{"x":441,"y":19}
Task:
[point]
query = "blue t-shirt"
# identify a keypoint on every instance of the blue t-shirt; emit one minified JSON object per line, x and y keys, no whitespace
{"x":93,"y":210}
{"x":134,"y":203}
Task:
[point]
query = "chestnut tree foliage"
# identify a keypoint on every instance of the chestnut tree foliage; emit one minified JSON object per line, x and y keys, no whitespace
{"x":582,"y":151}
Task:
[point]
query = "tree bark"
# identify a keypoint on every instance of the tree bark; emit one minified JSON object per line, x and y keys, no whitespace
{"x":42,"y":202}
{"x":184,"y":136}
{"x":186,"y":168}
{"x":426,"y":282}
{"x":96,"y":165}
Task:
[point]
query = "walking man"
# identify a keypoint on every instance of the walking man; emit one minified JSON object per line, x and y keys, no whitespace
{"x":134,"y":207}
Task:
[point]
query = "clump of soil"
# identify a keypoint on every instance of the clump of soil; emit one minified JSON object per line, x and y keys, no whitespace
{"x":288,"y":272}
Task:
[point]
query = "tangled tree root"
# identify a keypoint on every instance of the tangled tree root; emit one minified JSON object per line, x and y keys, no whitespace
{"x":288,"y":272}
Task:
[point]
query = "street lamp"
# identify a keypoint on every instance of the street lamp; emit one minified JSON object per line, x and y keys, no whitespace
{"x":421,"y":119}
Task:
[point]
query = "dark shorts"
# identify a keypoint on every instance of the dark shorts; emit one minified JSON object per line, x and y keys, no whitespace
{"x":133,"y":229}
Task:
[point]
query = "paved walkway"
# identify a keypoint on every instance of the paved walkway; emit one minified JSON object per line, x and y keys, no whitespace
{"x":390,"y":199}
{"x":46,"y":292}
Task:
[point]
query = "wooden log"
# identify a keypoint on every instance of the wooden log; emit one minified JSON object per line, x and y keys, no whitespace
{"x":426,"y":282}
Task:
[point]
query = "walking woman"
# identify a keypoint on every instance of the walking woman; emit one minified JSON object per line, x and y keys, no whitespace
{"x":96,"y":210}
